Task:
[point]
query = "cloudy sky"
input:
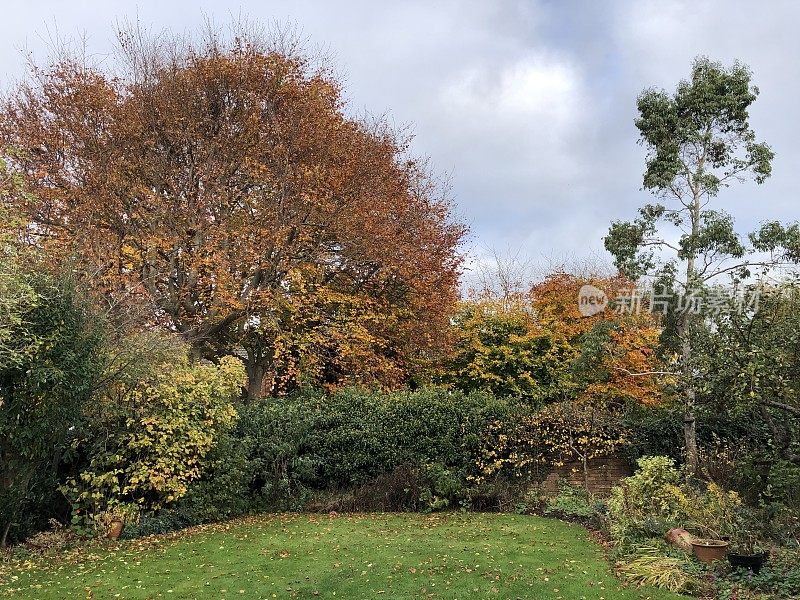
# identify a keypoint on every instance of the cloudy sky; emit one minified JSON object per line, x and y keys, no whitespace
{"x":527,"y":105}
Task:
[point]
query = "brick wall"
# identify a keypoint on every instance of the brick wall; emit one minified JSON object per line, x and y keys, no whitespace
{"x":604,"y":473}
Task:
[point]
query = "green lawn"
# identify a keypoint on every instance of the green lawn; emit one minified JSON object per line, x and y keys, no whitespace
{"x":349,"y":557}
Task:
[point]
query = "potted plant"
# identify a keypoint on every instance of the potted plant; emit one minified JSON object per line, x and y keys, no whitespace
{"x":708,"y":550}
{"x":711,"y":548}
{"x":114,"y":520}
{"x":717,"y":516}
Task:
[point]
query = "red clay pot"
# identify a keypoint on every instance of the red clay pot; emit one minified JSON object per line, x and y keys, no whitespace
{"x":115,"y":530}
{"x":680,"y":538}
{"x":708,"y":551}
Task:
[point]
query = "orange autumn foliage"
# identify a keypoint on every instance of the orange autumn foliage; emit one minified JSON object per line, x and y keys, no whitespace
{"x":615,"y":350}
{"x":225,"y":187}
{"x":539,"y":347}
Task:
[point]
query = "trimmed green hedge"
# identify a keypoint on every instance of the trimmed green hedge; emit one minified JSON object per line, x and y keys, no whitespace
{"x":286,"y":451}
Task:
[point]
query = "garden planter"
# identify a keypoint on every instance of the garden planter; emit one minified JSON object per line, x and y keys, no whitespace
{"x":680,"y":538}
{"x":708,"y":551}
{"x":754,"y":562}
{"x":115,"y":530}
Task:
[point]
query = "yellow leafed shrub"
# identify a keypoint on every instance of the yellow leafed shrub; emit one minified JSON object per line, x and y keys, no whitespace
{"x":165,"y":430}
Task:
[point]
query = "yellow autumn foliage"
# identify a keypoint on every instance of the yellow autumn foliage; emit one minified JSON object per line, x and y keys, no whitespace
{"x":168,"y":428}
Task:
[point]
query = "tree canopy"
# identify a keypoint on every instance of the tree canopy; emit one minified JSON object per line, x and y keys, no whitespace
{"x":538,"y":346}
{"x":224,"y":184}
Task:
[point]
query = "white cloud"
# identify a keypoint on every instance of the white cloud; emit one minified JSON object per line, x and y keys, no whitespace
{"x":532,"y":88}
{"x":523,"y":117}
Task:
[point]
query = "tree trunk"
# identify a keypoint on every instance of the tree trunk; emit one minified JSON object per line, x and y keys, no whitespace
{"x":195,"y":353}
{"x":684,"y":333}
{"x":4,"y":538}
{"x":256,"y":373}
{"x":781,"y":435}
{"x":690,"y":435}
{"x":689,"y":398}
{"x":586,"y":473}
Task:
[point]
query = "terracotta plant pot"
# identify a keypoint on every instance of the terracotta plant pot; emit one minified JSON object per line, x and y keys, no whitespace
{"x":115,"y":530}
{"x":708,"y":551}
{"x":680,"y":538}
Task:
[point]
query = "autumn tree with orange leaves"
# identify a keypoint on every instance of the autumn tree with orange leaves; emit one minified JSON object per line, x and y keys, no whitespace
{"x":224,"y":184}
{"x":538,"y":345}
{"x":614,"y":352}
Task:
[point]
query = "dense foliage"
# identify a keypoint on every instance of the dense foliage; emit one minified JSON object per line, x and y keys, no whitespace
{"x":48,"y":369}
{"x":147,"y":444}
{"x":310,"y":444}
{"x":222,"y":183}
{"x":658,"y":498}
{"x":538,"y":345}
{"x":750,"y":365}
